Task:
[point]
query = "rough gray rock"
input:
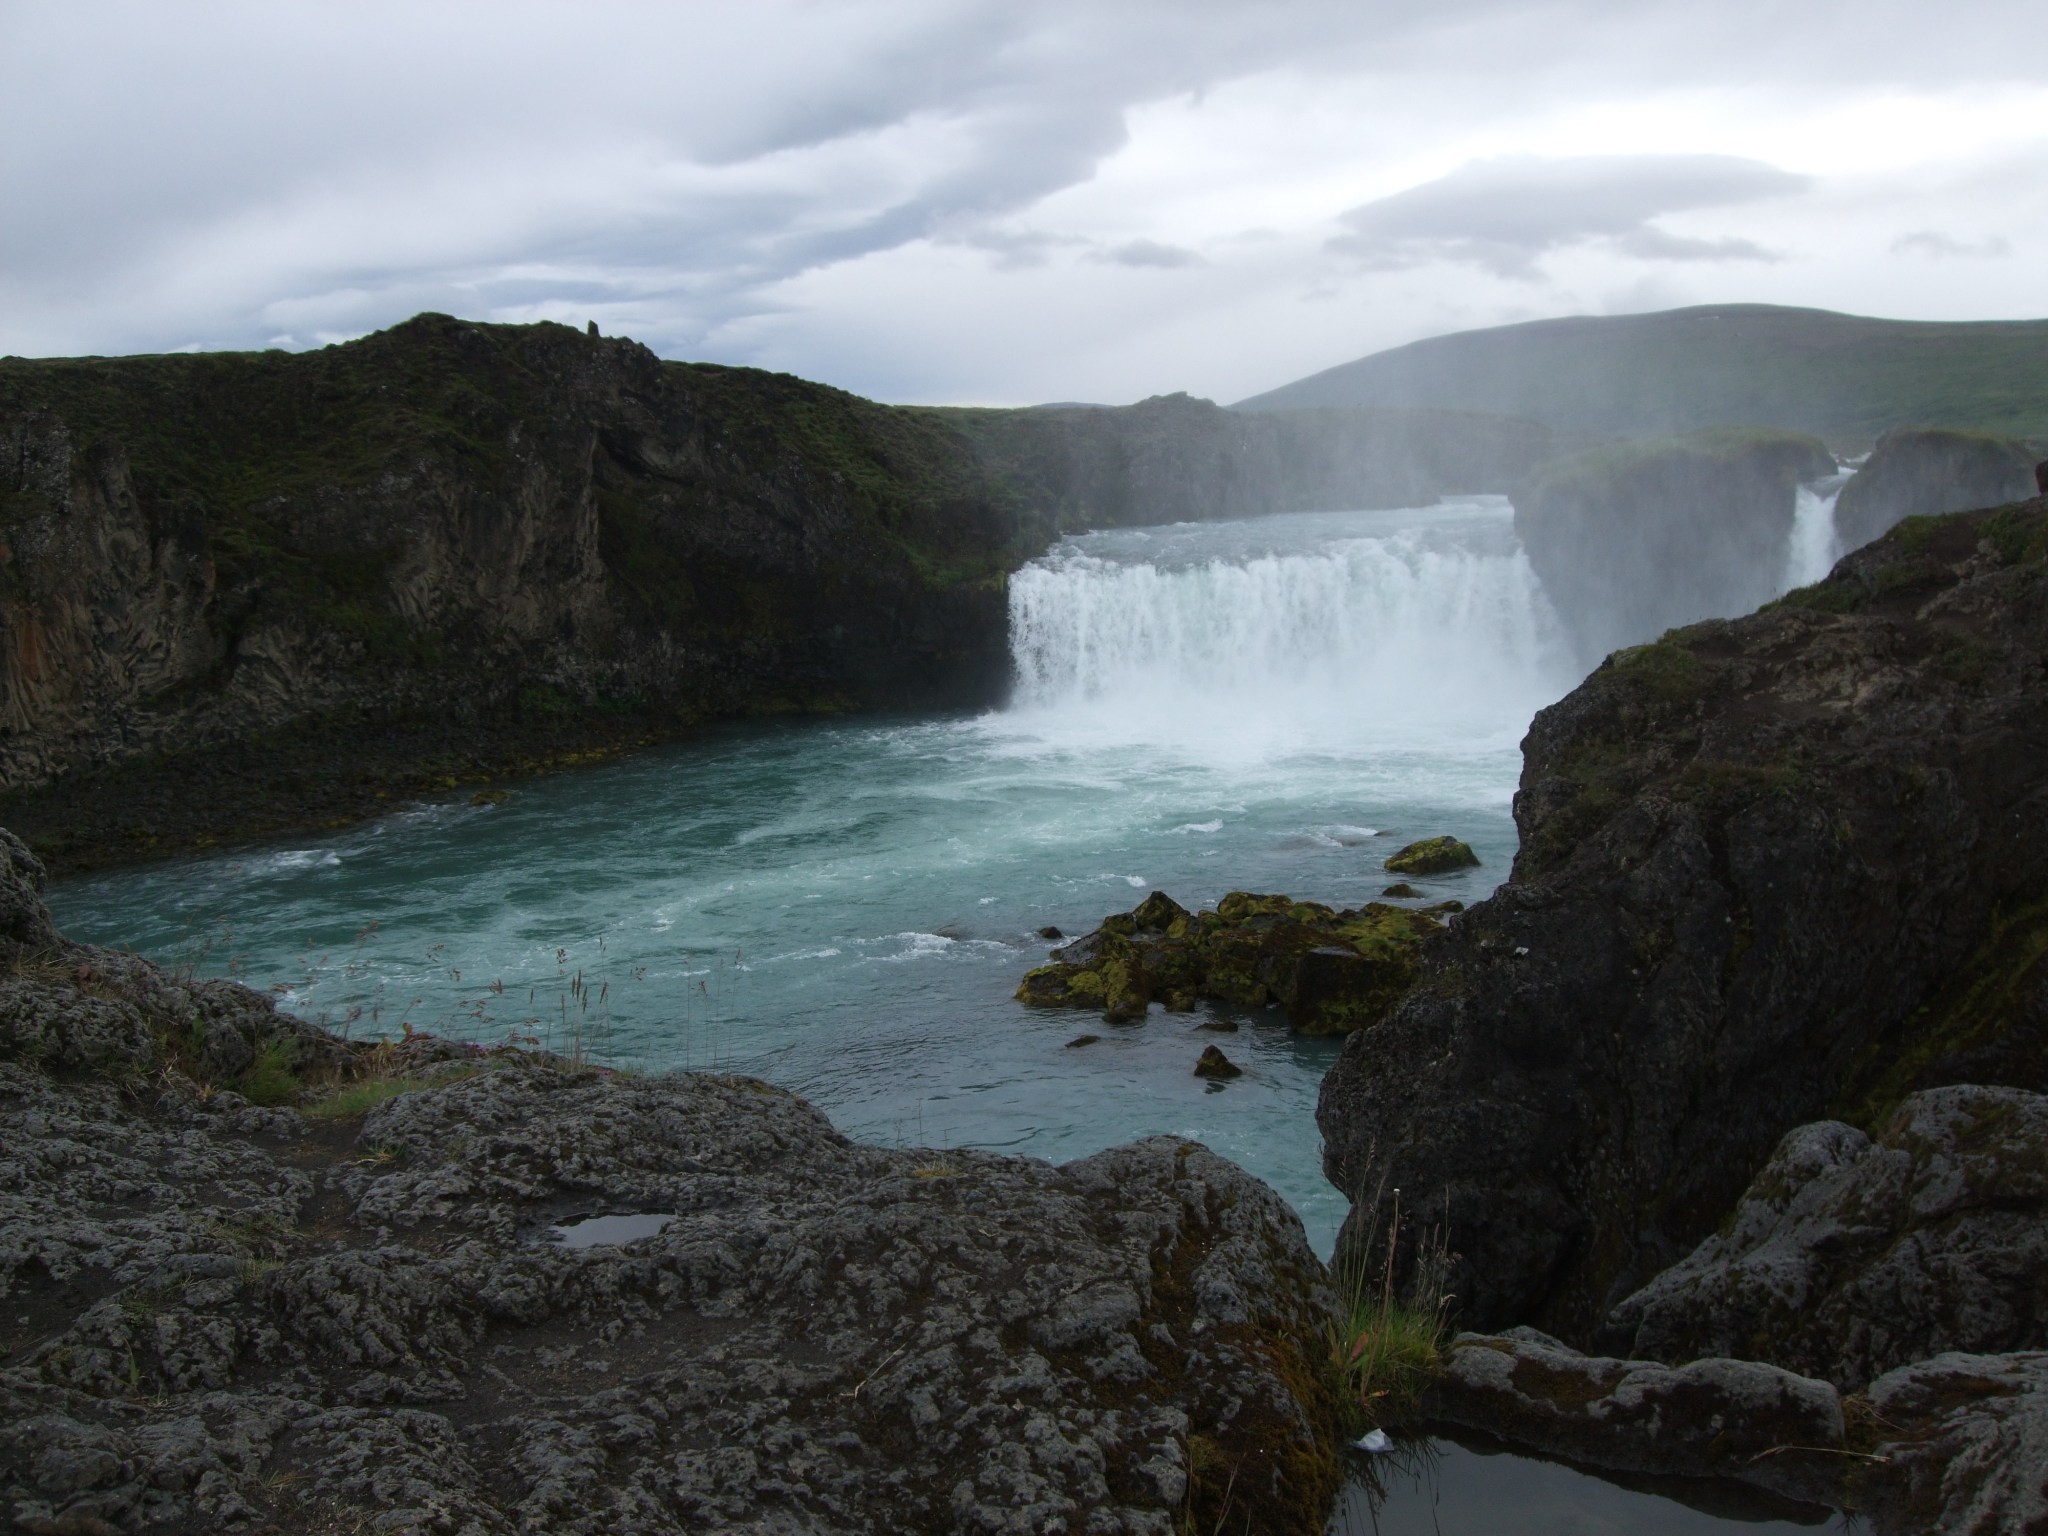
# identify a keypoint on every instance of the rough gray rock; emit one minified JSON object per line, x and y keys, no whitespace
{"x":216,"y":1315}
{"x":1711,"y":1418}
{"x":1962,"y":1446}
{"x":1849,"y":1256}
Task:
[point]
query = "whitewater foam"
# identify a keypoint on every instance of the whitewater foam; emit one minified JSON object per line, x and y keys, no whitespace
{"x":1813,"y":546}
{"x":1318,"y":639}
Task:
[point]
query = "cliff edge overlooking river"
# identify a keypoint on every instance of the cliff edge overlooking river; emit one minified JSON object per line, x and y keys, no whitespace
{"x":256,"y":1277}
{"x":1747,"y":1057}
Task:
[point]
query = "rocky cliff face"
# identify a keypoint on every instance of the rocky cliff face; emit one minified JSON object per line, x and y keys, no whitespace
{"x":256,"y":1277}
{"x":446,"y":516}
{"x":1773,"y":871}
{"x":1925,"y":471}
{"x":1632,"y":538}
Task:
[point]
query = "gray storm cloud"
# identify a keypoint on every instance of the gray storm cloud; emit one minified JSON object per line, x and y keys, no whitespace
{"x":1505,"y":213}
{"x":885,"y":192}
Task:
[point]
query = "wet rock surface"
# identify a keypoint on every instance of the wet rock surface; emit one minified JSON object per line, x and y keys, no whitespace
{"x":1708,"y":1418}
{"x":1957,"y":1443}
{"x":1333,"y":971}
{"x":218,"y":1315}
{"x":1851,"y":1255}
{"x":1773,"y":871}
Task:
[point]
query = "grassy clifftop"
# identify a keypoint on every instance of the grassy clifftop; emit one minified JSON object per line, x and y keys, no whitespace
{"x":1846,"y":378}
{"x":250,"y":438}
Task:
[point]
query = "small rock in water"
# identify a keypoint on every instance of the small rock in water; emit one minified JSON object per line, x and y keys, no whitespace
{"x":490,"y":797}
{"x":1374,"y":1441}
{"x":1050,"y":932}
{"x":1219,"y":1026}
{"x":1432,"y":856}
{"x":1215,"y":1064}
{"x":1082,"y":1040}
{"x":1400,"y":888}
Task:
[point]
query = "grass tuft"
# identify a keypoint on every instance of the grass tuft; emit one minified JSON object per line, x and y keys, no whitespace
{"x":1386,"y":1345}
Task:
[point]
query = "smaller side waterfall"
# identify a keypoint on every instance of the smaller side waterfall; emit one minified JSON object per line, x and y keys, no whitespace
{"x":1814,"y":546}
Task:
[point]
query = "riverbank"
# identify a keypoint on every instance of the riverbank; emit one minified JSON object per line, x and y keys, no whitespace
{"x":258,"y":1276}
{"x":308,"y":779}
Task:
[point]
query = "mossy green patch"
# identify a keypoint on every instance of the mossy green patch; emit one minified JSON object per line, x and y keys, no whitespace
{"x":1432,"y":856}
{"x":270,"y":1078}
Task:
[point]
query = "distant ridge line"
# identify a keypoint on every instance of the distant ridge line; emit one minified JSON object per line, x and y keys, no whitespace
{"x":1845,"y":377}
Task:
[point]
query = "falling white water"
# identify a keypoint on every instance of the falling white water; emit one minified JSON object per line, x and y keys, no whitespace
{"x":1320,"y":632}
{"x":1813,"y":547}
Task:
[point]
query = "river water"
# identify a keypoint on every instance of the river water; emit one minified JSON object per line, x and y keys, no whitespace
{"x":845,"y":906}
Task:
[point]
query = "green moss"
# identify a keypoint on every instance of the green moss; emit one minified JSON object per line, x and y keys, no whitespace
{"x":1432,"y":856}
{"x":270,"y":1079}
{"x":1666,"y":670}
{"x":351,"y":1101}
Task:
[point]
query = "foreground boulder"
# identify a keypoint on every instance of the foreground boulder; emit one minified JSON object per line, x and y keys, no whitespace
{"x":1333,"y":971}
{"x":1954,"y":1443}
{"x":1706,"y":1418}
{"x":1851,"y":1255}
{"x":1957,"y":1443}
{"x":1925,"y":471}
{"x":1773,"y":871}
{"x":224,"y":1315}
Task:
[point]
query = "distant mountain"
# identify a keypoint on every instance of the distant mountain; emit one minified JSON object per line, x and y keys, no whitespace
{"x":1842,"y":377}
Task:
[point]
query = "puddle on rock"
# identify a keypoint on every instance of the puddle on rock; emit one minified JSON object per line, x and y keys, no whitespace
{"x":595,"y":1230}
{"x":1476,"y":1487}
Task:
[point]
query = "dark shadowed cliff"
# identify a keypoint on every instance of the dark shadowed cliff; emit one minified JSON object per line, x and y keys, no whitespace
{"x":1924,"y":471}
{"x":1773,"y":871}
{"x":460,"y":524}
{"x":1633,"y":537}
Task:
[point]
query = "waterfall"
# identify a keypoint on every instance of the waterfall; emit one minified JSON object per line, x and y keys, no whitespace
{"x":1324,"y":631}
{"x":1812,"y":549}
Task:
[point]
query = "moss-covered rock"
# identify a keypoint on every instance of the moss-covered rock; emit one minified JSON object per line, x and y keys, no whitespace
{"x":1432,"y":856}
{"x":1333,"y":971}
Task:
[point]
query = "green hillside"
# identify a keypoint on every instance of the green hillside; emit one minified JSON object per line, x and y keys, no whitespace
{"x":1842,"y":377}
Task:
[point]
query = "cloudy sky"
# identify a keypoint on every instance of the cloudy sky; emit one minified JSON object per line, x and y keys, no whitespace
{"x":1002,"y":201}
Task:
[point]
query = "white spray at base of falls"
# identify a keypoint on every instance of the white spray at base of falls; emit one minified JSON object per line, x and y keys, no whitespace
{"x":1325,"y":632}
{"x":1813,"y":546}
